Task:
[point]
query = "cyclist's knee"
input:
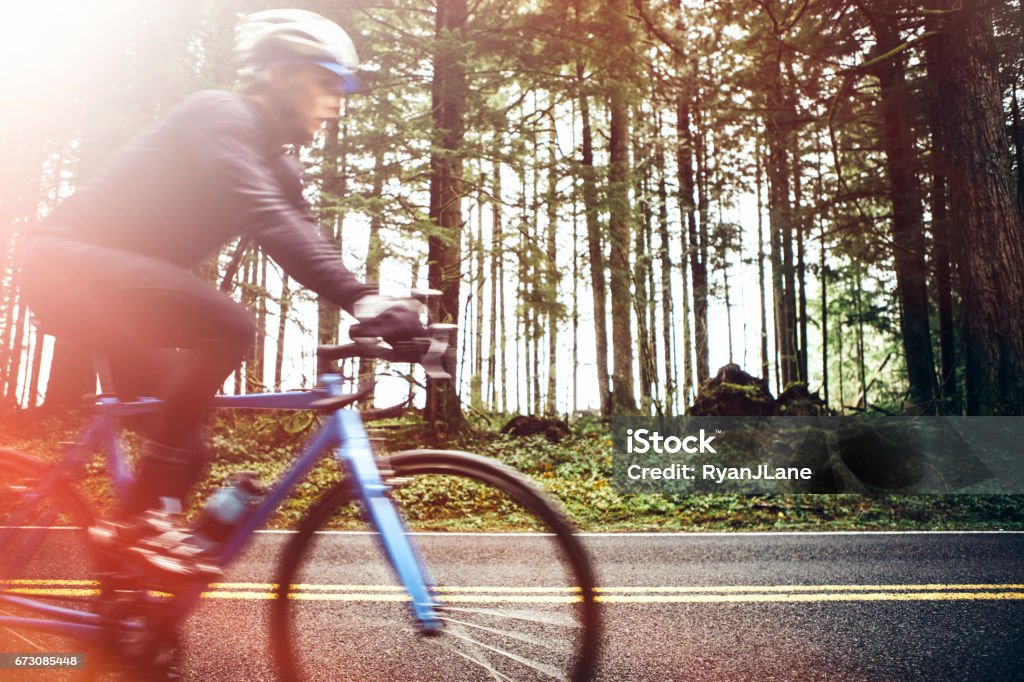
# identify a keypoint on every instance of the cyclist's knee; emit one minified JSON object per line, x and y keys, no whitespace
{"x":237,"y":329}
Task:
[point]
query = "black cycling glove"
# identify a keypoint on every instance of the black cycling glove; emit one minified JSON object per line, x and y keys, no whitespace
{"x":393,"y":320}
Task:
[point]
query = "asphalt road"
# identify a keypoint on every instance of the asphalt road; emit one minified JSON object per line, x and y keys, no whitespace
{"x":871,"y":606}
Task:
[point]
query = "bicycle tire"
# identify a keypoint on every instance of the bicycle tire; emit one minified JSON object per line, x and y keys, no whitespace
{"x":560,"y":623}
{"x":45,"y":552}
{"x":41,"y":510}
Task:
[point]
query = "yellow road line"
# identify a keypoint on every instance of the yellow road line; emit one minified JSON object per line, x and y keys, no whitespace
{"x":805,"y":597}
{"x":752,"y":597}
{"x":811,"y":588}
{"x":326,"y":587}
{"x":50,"y":581}
{"x":53,"y":592}
{"x":643,"y":589}
{"x":665,"y":594}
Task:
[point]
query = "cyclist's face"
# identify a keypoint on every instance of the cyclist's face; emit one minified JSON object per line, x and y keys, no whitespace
{"x":313,"y":96}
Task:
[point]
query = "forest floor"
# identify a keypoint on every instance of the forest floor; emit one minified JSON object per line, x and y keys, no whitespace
{"x":577,"y":471}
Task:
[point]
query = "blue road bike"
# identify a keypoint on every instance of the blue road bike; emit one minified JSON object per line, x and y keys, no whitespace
{"x":453,"y":605}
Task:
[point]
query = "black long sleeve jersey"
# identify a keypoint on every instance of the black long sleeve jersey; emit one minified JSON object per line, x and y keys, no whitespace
{"x":209,"y":172}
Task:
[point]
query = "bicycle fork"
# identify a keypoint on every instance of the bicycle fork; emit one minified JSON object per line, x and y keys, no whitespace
{"x":356,"y":453}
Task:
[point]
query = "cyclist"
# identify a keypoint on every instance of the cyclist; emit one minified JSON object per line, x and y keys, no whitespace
{"x":110,"y":269}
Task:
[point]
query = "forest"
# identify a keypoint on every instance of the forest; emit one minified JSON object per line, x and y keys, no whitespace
{"x":615,"y":198}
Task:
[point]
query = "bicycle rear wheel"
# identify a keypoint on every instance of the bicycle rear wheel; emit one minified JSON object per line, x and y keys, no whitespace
{"x":45,"y":554}
{"x":516,"y":606}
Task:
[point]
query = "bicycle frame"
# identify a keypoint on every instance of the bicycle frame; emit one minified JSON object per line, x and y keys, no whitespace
{"x":343,"y":430}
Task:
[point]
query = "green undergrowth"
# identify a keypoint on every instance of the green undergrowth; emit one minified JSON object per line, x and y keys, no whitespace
{"x":577,"y":472}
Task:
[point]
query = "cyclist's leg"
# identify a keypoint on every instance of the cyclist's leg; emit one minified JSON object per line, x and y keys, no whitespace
{"x":126,"y":304}
{"x":218,"y":333}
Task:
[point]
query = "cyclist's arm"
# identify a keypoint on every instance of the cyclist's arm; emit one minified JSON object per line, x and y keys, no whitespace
{"x":281,"y":226}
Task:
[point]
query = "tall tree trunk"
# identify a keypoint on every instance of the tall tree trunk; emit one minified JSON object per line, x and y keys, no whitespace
{"x":822,"y":272}
{"x":522,"y":330}
{"x":551,"y":275}
{"x":691,"y":257}
{"x":18,"y":198}
{"x":823,"y":283}
{"x":448,"y":94}
{"x":255,"y":376}
{"x":839,"y":367}
{"x":984,"y":210}
{"x":666,"y":278}
{"x":861,"y":362}
{"x":480,"y":280}
{"x":699,"y":251}
{"x":1017,"y":130}
{"x":502,"y":336}
{"x":688,"y":391}
{"x":534,"y":267}
{"x":496,"y":256}
{"x":334,"y":185}
{"x":254,"y":364}
{"x":374,"y":257}
{"x":762,"y":295}
{"x":728,"y":312}
{"x":688,"y":234}
{"x":595,"y":246}
{"x":778,"y":128}
{"x":800,"y":285}
{"x":725,"y":247}
{"x":907,"y":220}
{"x":282,"y":324}
{"x":620,"y":229}
{"x":620,"y":224}
{"x":642,"y":270}
{"x":37,"y":361}
{"x":241,"y":375}
{"x":414,"y":283}
{"x":15,"y":357}
{"x":574,"y":404}
{"x":652,"y":308}
{"x":6,"y":352}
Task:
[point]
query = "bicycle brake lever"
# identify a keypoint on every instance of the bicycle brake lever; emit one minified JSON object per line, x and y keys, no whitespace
{"x":433,"y":359}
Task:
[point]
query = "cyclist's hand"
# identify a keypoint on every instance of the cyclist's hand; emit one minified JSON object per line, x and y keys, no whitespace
{"x":393,"y":319}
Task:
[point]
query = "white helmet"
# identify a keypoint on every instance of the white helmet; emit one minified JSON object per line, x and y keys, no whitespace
{"x":295,"y":35}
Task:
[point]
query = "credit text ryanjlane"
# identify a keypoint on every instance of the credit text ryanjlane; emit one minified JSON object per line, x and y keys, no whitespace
{"x":711,"y":472}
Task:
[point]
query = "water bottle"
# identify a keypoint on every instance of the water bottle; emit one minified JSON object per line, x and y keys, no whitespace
{"x":228,"y":507}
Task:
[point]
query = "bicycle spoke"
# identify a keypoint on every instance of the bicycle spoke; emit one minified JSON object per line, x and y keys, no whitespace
{"x":526,"y":639}
{"x":548,"y":670}
{"x":479,"y":659}
{"x":529,"y":616}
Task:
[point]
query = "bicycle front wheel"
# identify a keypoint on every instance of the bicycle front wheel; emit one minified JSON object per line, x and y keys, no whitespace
{"x":516,"y":605}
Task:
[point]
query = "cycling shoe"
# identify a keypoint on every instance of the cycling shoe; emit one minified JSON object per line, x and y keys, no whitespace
{"x":161,"y":542}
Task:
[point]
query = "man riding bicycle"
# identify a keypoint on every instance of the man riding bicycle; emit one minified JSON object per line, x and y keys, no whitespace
{"x":110,"y":269}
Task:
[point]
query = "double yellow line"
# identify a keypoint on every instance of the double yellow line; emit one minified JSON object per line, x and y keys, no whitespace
{"x":490,"y":594}
{"x":811,"y":593}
